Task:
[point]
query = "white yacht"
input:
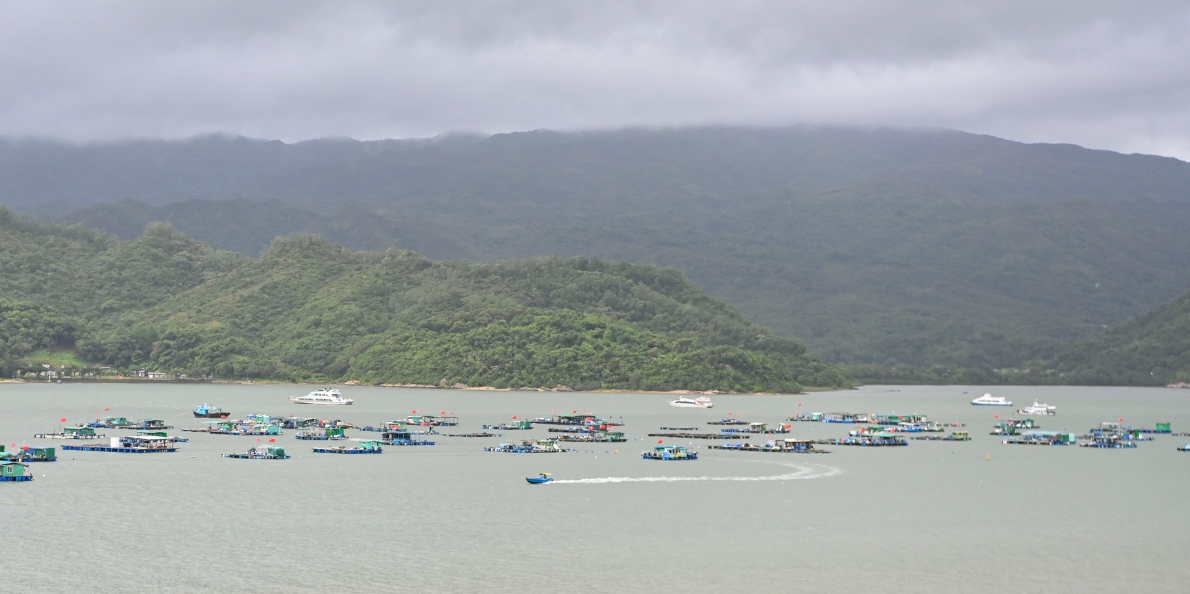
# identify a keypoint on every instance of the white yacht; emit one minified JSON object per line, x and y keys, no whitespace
{"x":989,"y":400}
{"x":1039,"y":410}
{"x":323,"y":396}
{"x":685,"y":402}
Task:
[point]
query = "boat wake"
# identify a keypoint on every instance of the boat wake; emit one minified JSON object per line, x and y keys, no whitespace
{"x":804,"y":471}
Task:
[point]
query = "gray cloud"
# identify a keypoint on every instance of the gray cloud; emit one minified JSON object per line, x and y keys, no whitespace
{"x":1103,"y":74}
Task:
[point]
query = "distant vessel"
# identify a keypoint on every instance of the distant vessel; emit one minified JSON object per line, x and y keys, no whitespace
{"x":1039,"y":410}
{"x":989,"y":400}
{"x":323,"y":396}
{"x":207,"y":411}
{"x":685,"y":402}
{"x":540,"y":479}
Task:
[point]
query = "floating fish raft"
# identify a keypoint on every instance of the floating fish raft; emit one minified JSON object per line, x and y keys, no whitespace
{"x":484,"y":434}
{"x":402,"y":438}
{"x":781,"y":446}
{"x":29,"y":454}
{"x":728,"y":422}
{"x":1051,"y":438}
{"x":678,"y":428}
{"x":367,"y":446}
{"x":597,"y":437}
{"x":883,"y":439}
{"x":81,"y":432}
{"x":13,"y":472}
{"x":321,"y":434}
{"x":517,"y":426}
{"x":956,"y":436}
{"x":266,"y":453}
{"x":538,"y":446}
{"x":130,"y":444}
{"x":700,"y":435}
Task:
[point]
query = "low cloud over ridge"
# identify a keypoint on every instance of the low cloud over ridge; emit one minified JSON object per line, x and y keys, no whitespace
{"x":1109,"y":75}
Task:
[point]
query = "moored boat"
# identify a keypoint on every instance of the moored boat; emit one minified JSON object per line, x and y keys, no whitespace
{"x":1039,"y":410}
{"x":989,"y":400}
{"x":687,"y":402}
{"x":670,"y":452}
{"x":207,"y":411}
{"x":324,"y":396}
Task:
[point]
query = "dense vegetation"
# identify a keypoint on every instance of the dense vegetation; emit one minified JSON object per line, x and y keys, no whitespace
{"x":882,"y":248}
{"x":310,"y":310}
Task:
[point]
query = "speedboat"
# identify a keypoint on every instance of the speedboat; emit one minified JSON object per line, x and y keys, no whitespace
{"x":1039,"y":410}
{"x":685,"y":402}
{"x":989,"y":400}
{"x":540,"y":479}
{"x":323,"y":396}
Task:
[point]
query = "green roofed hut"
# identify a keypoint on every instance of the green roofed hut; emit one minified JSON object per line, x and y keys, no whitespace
{"x":14,"y":472}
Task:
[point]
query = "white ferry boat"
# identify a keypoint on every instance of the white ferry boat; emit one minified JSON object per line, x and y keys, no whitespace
{"x":1040,"y":410}
{"x":323,"y":396}
{"x":685,"y":402}
{"x":989,"y":400}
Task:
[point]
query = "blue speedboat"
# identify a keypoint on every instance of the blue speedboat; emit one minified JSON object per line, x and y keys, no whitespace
{"x":540,"y":479}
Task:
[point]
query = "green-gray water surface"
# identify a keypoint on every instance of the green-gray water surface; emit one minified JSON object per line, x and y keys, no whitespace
{"x":930,"y":517}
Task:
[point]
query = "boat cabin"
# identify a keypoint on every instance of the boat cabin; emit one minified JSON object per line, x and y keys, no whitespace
{"x":796,"y":445}
{"x":370,"y":444}
{"x":153,"y":424}
{"x":758,"y":427}
{"x":840,"y":418}
{"x":115,"y":421}
{"x":80,"y":431}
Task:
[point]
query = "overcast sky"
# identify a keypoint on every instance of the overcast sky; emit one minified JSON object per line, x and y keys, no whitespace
{"x":1112,"y":75}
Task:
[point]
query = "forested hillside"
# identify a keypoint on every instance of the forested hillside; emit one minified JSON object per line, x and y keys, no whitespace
{"x":310,"y":310}
{"x":1150,"y":350}
{"x":873,"y":246}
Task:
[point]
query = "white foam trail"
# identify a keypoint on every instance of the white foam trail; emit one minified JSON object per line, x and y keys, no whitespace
{"x":803,"y":472}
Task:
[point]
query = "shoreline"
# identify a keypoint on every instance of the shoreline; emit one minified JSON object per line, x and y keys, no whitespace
{"x":560,"y":389}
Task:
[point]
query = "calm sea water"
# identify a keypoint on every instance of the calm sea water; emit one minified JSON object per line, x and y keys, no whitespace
{"x":453,"y":518}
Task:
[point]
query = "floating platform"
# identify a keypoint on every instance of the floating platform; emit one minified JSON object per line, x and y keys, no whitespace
{"x":573,"y":429}
{"x":789,"y":447}
{"x":484,"y":434}
{"x":864,"y":441}
{"x":342,"y":450}
{"x":700,"y":436}
{"x":129,"y":444}
{"x":14,"y":479}
{"x":678,"y":428}
{"x":951,"y":437}
{"x":594,"y":438}
{"x":517,"y":426}
{"x":541,"y":446}
{"x":1108,"y":445}
{"x":729,"y":422}
{"x":268,"y":453}
{"x":67,"y":436}
{"x":120,"y":449}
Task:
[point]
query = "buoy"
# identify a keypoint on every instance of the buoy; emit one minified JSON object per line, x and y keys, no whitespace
{"x":62,"y":420}
{"x":658,"y":441}
{"x":105,"y":409}
{"x":272,"y":440}
{"x":615,"y":451}
{"x":989,"y":457}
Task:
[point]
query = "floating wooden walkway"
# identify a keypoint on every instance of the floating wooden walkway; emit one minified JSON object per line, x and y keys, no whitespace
{"x":747,"y":447}
{"x":701,"y":435}
{"x":122,"y":450}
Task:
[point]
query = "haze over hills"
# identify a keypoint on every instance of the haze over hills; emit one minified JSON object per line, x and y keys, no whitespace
{"x":872,"y":245}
